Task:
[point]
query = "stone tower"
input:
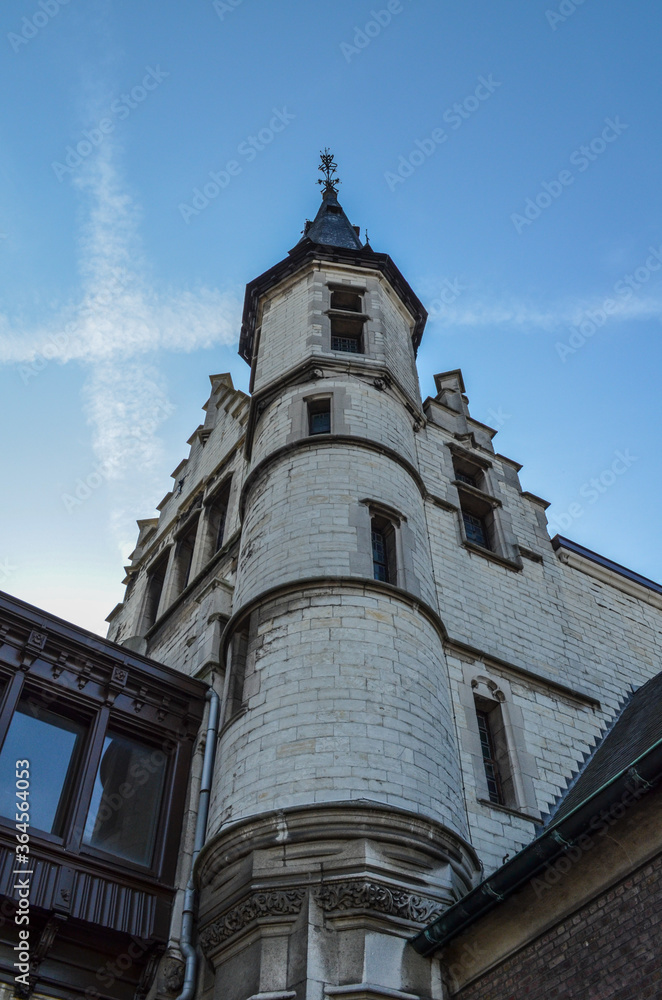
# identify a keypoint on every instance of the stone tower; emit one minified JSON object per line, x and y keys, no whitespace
{"x":338,"y":824}
{"x":410,"y":669}
{"x":338,"y":785}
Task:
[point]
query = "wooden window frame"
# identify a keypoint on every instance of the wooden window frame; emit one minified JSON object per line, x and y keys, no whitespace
{"x":99,"y":720}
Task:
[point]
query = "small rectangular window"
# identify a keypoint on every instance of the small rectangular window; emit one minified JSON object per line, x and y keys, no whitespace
{"x":184,"y":556}
{"x":238,"y":658}
{"x":220,"y":528}
{"x":492,"y":773}
{"x":126,"y":801}
{"x":347,"y":334}
{"x":346,"y":300}
{"x":466,"y":472}
{"x":53,"y":744}
{"x":319,"y":416}
{"x":155,"y":580}
{"x":477,"y":513}
{"x":475,"y":529}
{"x":218,"y":516}
{"x":464,"y":478}
{"x":383,"y":549}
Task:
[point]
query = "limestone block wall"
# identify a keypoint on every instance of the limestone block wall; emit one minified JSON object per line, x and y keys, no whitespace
{"x":295,"y":326}
{"x":547,"y":617}
{"x":358,"y":408}
{"x":305,"y":518}
{"x":345,"y":698}
{"x":215,"y":457}
{"x":398,"y":350}
{"x":286,"y":318}
{"x":541,"y":628}
{"x":190,"y":637}
{"x":551,"y":731}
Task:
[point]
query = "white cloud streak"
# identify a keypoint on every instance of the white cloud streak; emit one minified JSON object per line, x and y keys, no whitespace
{"x":525,"y":317}
{"x":114,"y":330}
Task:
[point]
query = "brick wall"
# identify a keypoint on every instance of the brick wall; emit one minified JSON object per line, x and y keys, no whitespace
{"x":607,"y":950}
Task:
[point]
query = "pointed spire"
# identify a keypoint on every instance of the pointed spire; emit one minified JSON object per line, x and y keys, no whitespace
{"x":331,"y":226}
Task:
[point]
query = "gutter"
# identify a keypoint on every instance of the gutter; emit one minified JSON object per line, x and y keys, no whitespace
{"x":190,"y":896}
{"x":629,"y":784}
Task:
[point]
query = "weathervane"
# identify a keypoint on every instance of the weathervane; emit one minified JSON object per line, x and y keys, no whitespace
{"x":328,"y":168}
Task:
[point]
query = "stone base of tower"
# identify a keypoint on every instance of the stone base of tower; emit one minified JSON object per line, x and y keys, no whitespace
{"x":318,"y":903}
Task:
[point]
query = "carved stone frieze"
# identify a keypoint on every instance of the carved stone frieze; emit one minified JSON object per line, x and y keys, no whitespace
{"x":359,"y":894}
{"x":276,"y":903}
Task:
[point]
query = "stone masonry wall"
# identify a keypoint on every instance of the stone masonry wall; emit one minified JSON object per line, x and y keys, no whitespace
{"x":547,"y":619}
{"x":344,"y":698}
{"x":304,"y":518}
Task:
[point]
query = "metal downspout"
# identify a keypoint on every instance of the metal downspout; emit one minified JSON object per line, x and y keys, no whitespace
{"x":190,"y":896}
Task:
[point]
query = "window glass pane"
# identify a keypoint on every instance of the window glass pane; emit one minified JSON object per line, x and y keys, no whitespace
{"x":464,"y":478}
{"x":126,"y":800}
{"x":489,"y":758}
{"x":319,"y":416}
{"x":380,"y":568}
{"x":475,"y":529}
{"x":320,"y":423}
{"x":52,"y":744}
{"x":350,"y":344}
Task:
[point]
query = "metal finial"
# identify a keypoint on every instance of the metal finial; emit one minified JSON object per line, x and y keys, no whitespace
{"x":328,"y":168}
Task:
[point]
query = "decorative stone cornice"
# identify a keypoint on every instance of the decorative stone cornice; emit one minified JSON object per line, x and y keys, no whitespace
{"x":360,"y":894}
{"x":275,"y":903}
{"x":332,"y":897}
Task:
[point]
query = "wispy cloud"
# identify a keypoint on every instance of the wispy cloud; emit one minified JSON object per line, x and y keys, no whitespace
{"x":527,"y":317}
{"x":116,"y":326}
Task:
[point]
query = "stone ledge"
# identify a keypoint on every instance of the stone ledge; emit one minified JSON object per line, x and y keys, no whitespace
{"x":278,"y":995}
{"x":356,"y":819}
{"x":367,"y":991}
{"x":510,"y":564}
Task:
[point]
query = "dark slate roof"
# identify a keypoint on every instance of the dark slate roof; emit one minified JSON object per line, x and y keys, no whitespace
{"x":331,"y":227}
{"x":633,"y":732}
{"x":559,"y":542}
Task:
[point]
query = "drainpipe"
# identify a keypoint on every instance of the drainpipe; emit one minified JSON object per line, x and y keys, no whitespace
{"x":190,"y":896}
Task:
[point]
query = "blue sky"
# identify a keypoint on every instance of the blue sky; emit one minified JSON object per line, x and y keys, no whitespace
{"x":506,"y":155}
